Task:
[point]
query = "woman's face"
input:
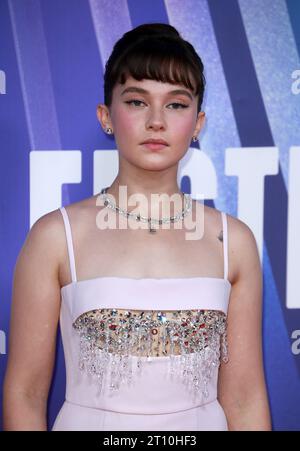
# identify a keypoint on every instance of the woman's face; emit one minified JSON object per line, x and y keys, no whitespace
{"x":149,"y":109}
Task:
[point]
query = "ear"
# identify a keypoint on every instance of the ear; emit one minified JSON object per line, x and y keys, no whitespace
{"x":103,"y":116}
{"x":199,"y":123}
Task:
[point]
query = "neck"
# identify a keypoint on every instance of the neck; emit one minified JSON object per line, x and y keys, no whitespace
{"x":151,"y":199}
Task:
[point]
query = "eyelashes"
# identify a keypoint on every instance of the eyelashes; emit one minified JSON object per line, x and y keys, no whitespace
{"x":181,"y":105}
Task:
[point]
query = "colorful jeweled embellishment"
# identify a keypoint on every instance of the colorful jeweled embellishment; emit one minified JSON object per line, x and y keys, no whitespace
{"x":110,"y":337}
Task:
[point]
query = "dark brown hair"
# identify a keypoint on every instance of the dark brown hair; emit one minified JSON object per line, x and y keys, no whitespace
{"x":154,"y":51}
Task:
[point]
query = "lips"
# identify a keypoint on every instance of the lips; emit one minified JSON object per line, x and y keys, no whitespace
{"x":154,"y":146}
{"x":155,"y":141}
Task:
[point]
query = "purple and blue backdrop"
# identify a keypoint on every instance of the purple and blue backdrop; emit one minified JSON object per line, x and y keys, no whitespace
{"x":53,"y":152}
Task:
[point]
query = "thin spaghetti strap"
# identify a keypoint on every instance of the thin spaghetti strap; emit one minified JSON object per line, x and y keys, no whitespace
{"x":225,"y":244}
{"x":69,"y":243}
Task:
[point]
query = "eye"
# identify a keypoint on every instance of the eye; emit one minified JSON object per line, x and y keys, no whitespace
{"x":129,"y":102}
{"x":182,"y":105}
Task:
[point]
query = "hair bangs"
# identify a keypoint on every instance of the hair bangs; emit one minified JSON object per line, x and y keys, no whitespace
{"x":160,"y":64}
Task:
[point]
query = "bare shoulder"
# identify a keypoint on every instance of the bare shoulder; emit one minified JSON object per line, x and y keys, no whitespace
{"x":44,"y":251}
{"x":237,"y":227}
{"x":47,"y":223}
{"x":49,"y":229}
{"x":43,"y":247}
{"x":242,"y":246}
{"x":82,"y":211}
{"x":51,"y":225}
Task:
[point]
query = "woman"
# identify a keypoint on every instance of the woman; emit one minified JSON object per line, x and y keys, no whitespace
{"x":160,"y":331}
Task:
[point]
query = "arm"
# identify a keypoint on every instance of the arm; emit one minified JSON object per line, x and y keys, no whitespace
{"x":241,"y":386}
{"x":33,"y":326}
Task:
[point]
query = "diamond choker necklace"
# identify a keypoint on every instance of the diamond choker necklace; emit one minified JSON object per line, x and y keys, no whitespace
{"x":150,"y":221}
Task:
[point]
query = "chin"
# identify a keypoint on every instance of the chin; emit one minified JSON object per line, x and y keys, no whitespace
{"x":161,"y":165}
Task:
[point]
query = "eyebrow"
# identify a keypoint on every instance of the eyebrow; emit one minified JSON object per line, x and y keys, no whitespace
{"x":144,"y":91}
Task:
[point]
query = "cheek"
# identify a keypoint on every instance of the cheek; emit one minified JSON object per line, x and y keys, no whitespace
{"x":126,"y":124}
{"x":182,"y":127}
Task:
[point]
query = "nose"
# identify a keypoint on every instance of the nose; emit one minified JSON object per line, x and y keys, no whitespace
{"x":155,"y":120}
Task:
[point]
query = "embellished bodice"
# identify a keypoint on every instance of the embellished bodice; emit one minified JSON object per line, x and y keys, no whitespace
{"x":110,"y":337}
{"x":149,"y":333}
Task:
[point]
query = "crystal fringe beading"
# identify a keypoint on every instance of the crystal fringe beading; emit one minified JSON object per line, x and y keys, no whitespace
{"x":194,"y":341}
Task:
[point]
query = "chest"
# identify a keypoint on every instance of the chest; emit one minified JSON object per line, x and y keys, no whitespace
{"x":137,"y":253}
{"x":167,"y":253}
